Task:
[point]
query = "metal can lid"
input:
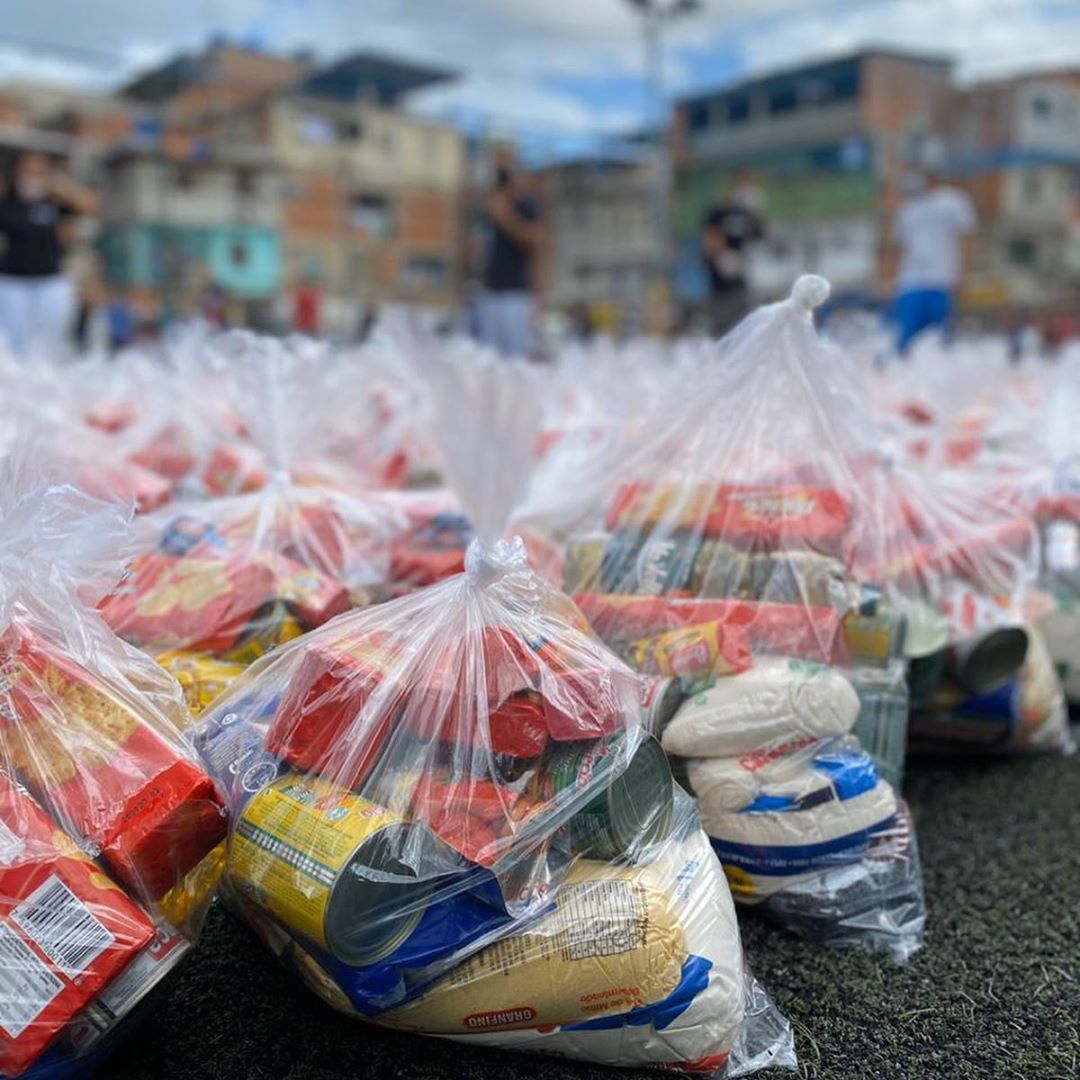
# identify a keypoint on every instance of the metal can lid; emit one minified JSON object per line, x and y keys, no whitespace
{"x":992,"y":659}
{"x":383,"y":891}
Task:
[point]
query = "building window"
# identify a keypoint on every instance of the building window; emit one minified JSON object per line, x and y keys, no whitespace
{"x":372,"y":213}
{"x":350,"y":130}
{"x":738,"y":108}
{"x":1032,"y":187}
{"x":1021,"y":252}
{"x":697,"y":116}
{"x":245,"y":181}
{"x":783,"y":99}
{"x":1042,"y":107}
{"x":185,"y":177}
{"x":425,"y":271}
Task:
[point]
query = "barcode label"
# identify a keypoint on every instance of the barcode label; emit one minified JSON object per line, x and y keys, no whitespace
{"x":10,"y":844}
{"x":26,"y":984}
{"x":65,"y":928}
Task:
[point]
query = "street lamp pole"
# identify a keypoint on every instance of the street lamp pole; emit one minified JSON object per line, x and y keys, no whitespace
{"x":655,"y":14}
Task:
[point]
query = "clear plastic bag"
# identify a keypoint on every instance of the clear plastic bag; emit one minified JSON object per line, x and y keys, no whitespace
{"x":220,"y":582}
{"x":724,"y":566}
{"x":111,"y":833}
{"x":448,"y":817}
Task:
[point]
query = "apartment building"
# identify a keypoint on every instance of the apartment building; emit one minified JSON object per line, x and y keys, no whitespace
{"x":829,"y":143}
{"x":1015,"y":145}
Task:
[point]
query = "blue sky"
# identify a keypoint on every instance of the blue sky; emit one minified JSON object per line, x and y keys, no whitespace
{"x":563,"y":72}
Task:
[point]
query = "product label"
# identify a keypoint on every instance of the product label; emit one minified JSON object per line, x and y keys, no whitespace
{"x":27,"y":986}
{"x":63,"y":927}
{"x":293,"y":839}
{"x":612,"y":944}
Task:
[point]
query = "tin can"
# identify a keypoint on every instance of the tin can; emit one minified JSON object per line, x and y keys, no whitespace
{"x":632,"y":811}
{"x":660,"y":700}
{"x":981,"y":663}
{"x":335,"y":868}
{"x":101,"y":771}
{"x":66,"y":930}
{"x":584,"y":560}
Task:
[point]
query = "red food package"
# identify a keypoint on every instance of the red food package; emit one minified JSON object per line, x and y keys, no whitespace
{"x":126,"y":483}
{"x":811,"y":633}
{"x":102,"y":771}
{"x":201,"y":601}
{"x":235,"y":469}
{"x":66,"y":931}
{"x":312,"y":596}
{"x":763,"y":517}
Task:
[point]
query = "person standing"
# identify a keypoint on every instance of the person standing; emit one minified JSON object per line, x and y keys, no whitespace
{"x":933,"y":230}
{"x":37,"y":299}
{"x":507,"y":310}
{"x":728,"y":232}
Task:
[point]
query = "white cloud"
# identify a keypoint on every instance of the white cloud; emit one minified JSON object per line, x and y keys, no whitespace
{"x":510,"y":50}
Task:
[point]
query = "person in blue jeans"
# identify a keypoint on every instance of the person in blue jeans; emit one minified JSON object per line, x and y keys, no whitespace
{"x":933,"y":229}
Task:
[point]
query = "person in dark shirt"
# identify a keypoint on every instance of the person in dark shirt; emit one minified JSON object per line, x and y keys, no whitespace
{"x":506,"y":316}
{"x":37,"y":300}
{"x":730,"y":229}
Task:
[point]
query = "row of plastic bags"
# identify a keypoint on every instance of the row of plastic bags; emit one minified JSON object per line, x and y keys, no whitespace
{"x":492,"y":765}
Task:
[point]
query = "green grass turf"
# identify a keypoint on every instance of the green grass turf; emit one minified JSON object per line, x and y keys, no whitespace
{"x":994,"y":994}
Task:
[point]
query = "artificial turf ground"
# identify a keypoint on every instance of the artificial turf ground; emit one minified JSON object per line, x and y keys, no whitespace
{"x":994,"y":994}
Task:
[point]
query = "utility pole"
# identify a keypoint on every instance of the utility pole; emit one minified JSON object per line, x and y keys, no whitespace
{"x":655,"y":15}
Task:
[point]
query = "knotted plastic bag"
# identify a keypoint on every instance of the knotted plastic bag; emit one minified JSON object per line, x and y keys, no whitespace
{"x":448,"y":817}
{"x":111,"y":833}
{"x":220,"y":582}
{"x":724,"y":562}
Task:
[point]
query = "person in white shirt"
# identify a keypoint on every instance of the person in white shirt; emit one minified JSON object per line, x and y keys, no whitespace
{"x":933,"y":228}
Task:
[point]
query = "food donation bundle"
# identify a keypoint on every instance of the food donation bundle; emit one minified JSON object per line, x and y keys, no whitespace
{"x":723,"y":568}
{"x":112,"y":836}
{"x":448,"y":818}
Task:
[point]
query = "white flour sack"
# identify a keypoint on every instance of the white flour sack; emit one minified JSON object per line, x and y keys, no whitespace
{"x":635,"y":966}
{"x":776,"y":701}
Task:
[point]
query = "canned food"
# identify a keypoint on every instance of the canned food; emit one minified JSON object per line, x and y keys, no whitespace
{"x":632,"y":811}
{"x":660,"y":700}
{"x":981,"y":663}
{"x":336,"y":868}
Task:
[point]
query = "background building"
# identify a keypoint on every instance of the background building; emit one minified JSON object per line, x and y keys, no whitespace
{"x":1015,"y":145}
{"x":829,"y":143}
{"x":604,"y":249}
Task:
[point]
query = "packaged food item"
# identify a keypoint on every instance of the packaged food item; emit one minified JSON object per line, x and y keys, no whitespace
{"x":110,"y":830}
{"x":66,"y":930}
{"x":448,"y":816}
